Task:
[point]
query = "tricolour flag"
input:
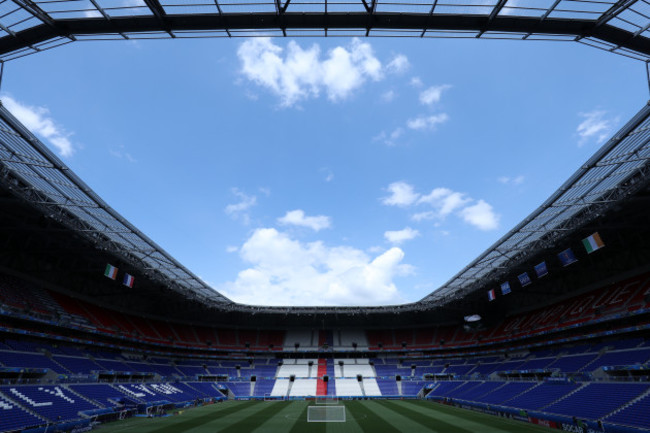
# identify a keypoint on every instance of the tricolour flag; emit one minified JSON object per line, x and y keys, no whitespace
{"x":128,"y":280}
{"x":567,"y":257}
{"x":111,"y":271}
{"x":524,"y":279}
{"x":593,"y":243}
{"x":492,"y":295}
{"x":505,"y":288}
{"x":541,"y":270}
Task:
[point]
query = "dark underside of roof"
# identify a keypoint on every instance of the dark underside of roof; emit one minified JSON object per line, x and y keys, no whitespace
{"x":30,"y":26}
{"x":37,"y":247}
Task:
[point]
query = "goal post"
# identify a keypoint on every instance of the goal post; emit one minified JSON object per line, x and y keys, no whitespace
{"x":326,"y":400}
{"x":326,"y":414}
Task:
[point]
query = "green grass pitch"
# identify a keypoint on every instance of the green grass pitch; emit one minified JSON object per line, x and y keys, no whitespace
{"x":364,"y":416}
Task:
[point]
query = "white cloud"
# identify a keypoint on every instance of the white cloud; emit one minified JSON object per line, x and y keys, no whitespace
{"x":481,"y":215}
{"x":442,"y":202}
{"x":427,"y":215}
{"x":390,"y":139}
{"x":399,"y":64}
{"x":388,"y":96}
{"x":595,"y":126}
{"x":39,"y":121}
{"x":240,"y":209}
{"x":416,"y":82}
{"x":433,"y":94}
{"x":285,"y":271}
{"x":401,"y":194}
{"x":445,"y":200}
{"x":399,"y":236}
{"x":297,"y":218}
{"x":506,"y":180}
{"x":232,"y":249}
{"x":300,"y":74}
{"x":427,"y":122}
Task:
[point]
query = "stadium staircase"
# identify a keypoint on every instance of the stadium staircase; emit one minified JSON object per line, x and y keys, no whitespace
{"x":63,"y":367}
{"x":629,"y":403}
{"x":91,"y":401}
{"x":24,"y":408}
{"x":321,"y":385}
{"x":564,"y":397}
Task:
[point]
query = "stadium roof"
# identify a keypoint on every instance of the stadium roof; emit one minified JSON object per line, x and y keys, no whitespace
{"x":30,"y":169}
{"x":607,"y":177}
{"x":36,"y":175}
{"x":29,"y":26}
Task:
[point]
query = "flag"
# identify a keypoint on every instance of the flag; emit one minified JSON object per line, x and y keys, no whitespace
{"x":524,"y":279}
{"x":128,"y":280}
{"x":505,"y":288}
{"x":593,"y":243}
{"x":541,"y":270}
{"x":491,"y":295}
{"x":111,"y":271}
{"x":567,"y":257}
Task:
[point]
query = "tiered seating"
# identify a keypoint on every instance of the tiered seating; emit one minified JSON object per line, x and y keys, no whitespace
{"x":347,"y":338}
{"x":303,"y":338}
{"x":387,"y":386}
{"x":626,"y":357}
{"x":542,"y":395}
{"x":347,"y":388}
{"x":268,"y":338}
{"x":280,"y":388}
{"x":15,"y":293}
{"x":404,"y":336}
{"x":77,"y":365}
{"x":572,"y":364}
{"x":101,"y":393}
{"x":425,"y":337}
{"x":387,"y":370}
{"x":205,"y":388}
{"x":29,"y":360}
{"x":303,"y":388}
{"x":248,"y":337}
{"x":51,"y":402}
{"x":227,"y":337}
{"x":443,"y":389}
{"x":113,"y":365}
{"x":263,"y":387}
{"x":370,"y":387}
{"x":383,"y":337}
{"x":300,"y":369}
{"x":506,"y":392}
{"x":588,"y":402}
{"x":353,"y":367}
{"x":13,"y":417}
{"x":186,"y":333}
{"x":240,"y":389}
{"x":635,"y":415}
{"x":411,"y":388}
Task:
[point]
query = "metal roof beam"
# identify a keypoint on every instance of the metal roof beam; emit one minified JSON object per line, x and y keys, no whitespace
{"x":346,"y":20}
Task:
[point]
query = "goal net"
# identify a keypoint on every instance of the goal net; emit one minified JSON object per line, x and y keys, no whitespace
{"x":326,"y":414}
{"x":326,"y":399}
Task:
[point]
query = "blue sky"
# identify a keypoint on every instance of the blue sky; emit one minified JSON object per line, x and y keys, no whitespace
{"x":324,"y":171}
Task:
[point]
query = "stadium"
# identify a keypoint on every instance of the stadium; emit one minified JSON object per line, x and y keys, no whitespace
{"x":547,"y":329}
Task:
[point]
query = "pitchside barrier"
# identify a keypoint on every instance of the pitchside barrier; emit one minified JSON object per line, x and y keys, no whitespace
{"x":326,"y":414}
{"x":327,"y":399}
